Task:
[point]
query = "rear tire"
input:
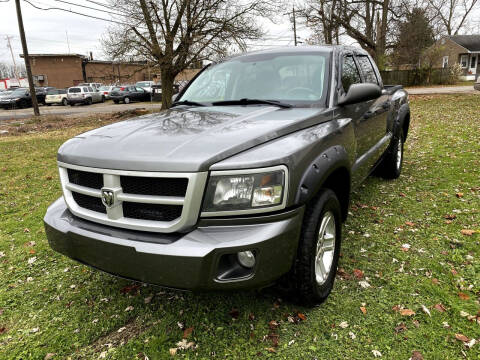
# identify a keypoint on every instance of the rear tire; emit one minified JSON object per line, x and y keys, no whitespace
{"x":126,"y":100}
{"x":391,"y":165}
{"x":103,"y":99}
{"x":89,"y":101}
{"x":116,"y":101}
{"x":318,"y":251}
{"x":64,"y":102}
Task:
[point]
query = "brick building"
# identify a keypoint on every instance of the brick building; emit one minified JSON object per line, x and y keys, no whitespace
{"x":65,"y":70}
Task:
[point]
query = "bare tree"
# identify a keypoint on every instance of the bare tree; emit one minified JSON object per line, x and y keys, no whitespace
{"x":175,"y":34}
{"x":366,"y":21}
{"x":9,"y":71}
{"x":453,"y":15}
{"x":320,"y":16}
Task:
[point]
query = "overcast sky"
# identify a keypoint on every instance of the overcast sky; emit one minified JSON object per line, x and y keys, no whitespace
{"x":47,"y":31}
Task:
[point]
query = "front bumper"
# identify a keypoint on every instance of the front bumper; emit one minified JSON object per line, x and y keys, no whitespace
{"x":193,"y":261}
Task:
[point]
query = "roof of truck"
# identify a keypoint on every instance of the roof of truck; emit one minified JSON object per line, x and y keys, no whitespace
{"x":301,"y":49}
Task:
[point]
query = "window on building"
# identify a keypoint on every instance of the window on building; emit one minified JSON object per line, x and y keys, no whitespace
{"x":473,"y":62}
{"x":367,"y":69}
{"x":445,"y":62}
{"x":350,"y":74}
{"x":464,"y":61}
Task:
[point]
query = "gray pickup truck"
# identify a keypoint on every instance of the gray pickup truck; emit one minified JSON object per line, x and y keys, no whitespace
{"x":244,"y":181}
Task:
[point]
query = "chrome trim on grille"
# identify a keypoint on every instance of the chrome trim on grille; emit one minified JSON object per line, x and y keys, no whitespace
{"x":111,"y":179}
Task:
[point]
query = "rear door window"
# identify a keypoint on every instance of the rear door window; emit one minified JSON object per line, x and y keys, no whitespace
{"x":74,"y":90}
{"x":90,"y":89}
{"x":369,"y":75}
{"x":350,"y":73}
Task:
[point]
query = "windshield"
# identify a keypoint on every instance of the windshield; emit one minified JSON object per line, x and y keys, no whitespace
{"x":52,"y":92}
{"x":19,"y":92}
{"x":292,"y":78}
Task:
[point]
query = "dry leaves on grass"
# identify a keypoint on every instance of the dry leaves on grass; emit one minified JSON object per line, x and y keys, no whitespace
{"x":467,"y":232}
{"x":461,"y":337}
{"x":416,"y":355}
{"x":358,"y":273}
{"x":440,"y":307}
{"x":407,"y":312}
{"x":363,"y":309}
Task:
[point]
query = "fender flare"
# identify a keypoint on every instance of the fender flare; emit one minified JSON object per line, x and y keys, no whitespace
{"x":403,"y":114}
{"x":315,"y":175}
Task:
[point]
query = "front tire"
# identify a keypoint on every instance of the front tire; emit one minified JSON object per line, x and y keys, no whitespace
{"x":64,"y":102}
{"x":391,"y":165}
{"x":319,"y":249}
{"x":126,"y":100}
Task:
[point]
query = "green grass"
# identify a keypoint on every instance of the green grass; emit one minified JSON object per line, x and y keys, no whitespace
{"x":57,"y":306}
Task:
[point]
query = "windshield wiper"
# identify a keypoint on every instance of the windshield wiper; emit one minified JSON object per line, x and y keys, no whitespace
{"x":252,"y":102}
{"x":186,"y":102}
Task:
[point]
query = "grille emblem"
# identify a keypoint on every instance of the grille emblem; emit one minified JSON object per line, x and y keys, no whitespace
{"x":108,"y":198}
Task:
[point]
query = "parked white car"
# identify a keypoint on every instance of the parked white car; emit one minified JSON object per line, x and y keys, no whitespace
{"x":56,"y":96}
{"x":96,"y":86}
{"x":146,"y":85}
{"x":84,"y":95}
{"x":106,"y":90}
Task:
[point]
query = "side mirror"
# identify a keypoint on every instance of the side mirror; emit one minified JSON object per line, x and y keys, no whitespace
{"x":360,"y":92}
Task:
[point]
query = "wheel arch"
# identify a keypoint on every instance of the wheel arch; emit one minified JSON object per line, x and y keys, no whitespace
{"x":329,"y":170}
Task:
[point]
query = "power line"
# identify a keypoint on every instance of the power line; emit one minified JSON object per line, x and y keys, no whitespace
{"x":89,"y":7}
{"x":76,"y":13}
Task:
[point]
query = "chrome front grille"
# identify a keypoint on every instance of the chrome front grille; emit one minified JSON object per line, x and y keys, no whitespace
{"x":147,"y":201}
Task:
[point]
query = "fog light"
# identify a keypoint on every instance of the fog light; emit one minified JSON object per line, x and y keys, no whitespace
{"x":246,"y":258}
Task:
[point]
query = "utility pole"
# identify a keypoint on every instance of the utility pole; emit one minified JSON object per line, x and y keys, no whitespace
{"x":13,"y":57}
{"x":33,"y":94}
{"x":294,"y":26}
{"x":68,"y":41}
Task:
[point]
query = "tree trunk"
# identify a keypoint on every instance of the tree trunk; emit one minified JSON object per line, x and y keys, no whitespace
{"x":168,"y":77}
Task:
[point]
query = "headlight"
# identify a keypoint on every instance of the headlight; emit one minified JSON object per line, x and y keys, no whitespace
{"x":246,"y":191}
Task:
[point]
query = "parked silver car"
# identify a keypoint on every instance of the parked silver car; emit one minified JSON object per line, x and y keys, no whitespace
{"x":84,"y":95}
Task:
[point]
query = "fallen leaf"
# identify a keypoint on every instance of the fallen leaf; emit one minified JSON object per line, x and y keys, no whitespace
{"x":358,"y":273}
{"x":364,"y":284}
{"x":352,"y":335}
{"x":173,"y":351}
{"x":187,"y":332}
{"x":450,"y":216}
{"x":234,"y":313}
{"x":435,"y":281}
{"x":471,"y":343}
{"x":102,"y":355}
{"x":409,"y":223}
{"x":273,"y":324}
{"x":148,"y":299}
{"x":129,"y":308}
{"x":461,"y":337}
{"x":26,"y":230}
{"x":463,"y":296}
{"x":459,"y":195}
{"x":32,"y":260}
{"x":34,"y":330}
{"x":416,"y":355}
{"x":400,"y":328}
{"x":407,"y":312}
{"x":363,"y":310}
{"x":405,"y":247}
{"x":121,"y":329}
{"x":439,"y":307}
{"x":2,"y":329}
{"x":467,"y":232}
{"x":302,"y":316}
{"x":376,"y":353}
{"x":343,"y":324}
{"x":425,"y":310}
{"x":251,"y":317}
{"x":270,"y":350}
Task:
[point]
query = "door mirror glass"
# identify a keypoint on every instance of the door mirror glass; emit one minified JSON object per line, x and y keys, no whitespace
{"x":360,"y":92}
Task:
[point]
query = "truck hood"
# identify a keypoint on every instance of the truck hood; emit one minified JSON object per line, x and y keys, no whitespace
{"x":185,"y":139}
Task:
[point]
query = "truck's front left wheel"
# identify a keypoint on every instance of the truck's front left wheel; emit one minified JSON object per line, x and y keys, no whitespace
{"x":319,"y":249}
